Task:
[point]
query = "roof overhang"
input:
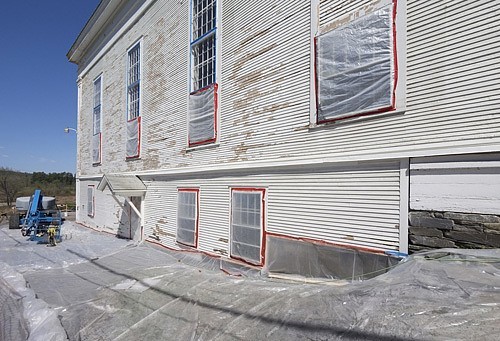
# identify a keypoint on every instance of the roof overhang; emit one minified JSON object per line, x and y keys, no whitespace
{"x":123,"y":185}
{"x":94,"y":25}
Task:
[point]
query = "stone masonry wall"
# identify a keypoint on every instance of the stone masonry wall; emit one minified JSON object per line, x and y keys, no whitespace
{"x":434,"y":230}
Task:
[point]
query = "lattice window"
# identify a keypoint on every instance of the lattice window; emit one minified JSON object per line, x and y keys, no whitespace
{"x":203,"y":44}
{"x":97,"y":105}
{"x":187,"y":216}
{"x":247,"y":229}
{"x":134,"y":81}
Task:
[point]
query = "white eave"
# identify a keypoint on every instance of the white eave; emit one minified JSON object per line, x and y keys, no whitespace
{"x":123,"y":185}
{"x":97,"y":21}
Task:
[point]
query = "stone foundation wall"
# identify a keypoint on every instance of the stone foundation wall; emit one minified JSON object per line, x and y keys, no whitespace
{"x":434,"y":230}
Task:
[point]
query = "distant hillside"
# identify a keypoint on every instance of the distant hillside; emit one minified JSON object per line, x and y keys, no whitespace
{"x":14,"y":184}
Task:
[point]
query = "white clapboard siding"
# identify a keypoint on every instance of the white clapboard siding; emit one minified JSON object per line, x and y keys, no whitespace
{"x":354,"y":206}
{"x":107,"y":212}
{"x":459,"y":184}
{"x":264,"y":85}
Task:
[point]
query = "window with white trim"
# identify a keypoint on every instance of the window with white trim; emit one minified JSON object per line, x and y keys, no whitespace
{"x":357,"y":61}
{"x":247,"y":225}
{"x":96,"y":119}
{"x":90,"y":200}
{"x":134,"y":81}
{"x":133,"y":101}
{"x":187,"y":216}
{"x":203,"y":95}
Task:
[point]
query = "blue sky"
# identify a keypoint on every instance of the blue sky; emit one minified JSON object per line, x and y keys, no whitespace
{"x":38,"y":95}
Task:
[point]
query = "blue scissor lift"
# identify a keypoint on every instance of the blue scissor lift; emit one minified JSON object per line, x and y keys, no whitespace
{"x":38,"y":220}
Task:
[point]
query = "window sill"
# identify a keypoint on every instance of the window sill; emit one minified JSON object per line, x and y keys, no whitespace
{"x":201,"y":147}
{"x":135,"y":158}
{"x":360,"y":118}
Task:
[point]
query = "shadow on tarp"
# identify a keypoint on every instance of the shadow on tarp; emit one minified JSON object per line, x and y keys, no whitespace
{"x":346,"y":333}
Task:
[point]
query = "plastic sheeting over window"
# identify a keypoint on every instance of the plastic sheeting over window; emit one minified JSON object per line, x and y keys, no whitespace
{"x":246,"y":225}
{"x":96,"y":148}
{"x":90,"y":201}
{"x":202,"y":113}
{"x":355,"y":67}
{"x":187,"y":216}
{"x":133,"y":137}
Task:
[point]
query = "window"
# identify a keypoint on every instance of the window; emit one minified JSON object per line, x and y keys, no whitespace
{"x":203,"y":97}
{"x":96,"y":118}
{"x":357,"y":64}
{"x":187,"y":216}
{"x":133,"y":101}
{"x":134,"y":81}
{"x":90,"y":200}
{"x":247,"y":225}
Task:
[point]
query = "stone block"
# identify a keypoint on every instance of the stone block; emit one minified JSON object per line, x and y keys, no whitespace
{"x":471,"y":218}
{"x":431,"y":241}
{"x":492,"y":226}
{"x":423,"y":221}
{"x":417,"y":248}
{"x":465,"y":245}
{"x":425,"y":231}
{"x":468,"y":228}
{"x":492,"y":240}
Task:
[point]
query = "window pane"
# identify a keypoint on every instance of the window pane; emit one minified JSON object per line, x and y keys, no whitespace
{"x":133,"y":82}
{"x":203,"y":17}
{"x":246,"y":225}
{"x":97,"y":107}
{"x":203,"y":68}
{"x":186,"y":217}
{"x":355,"y":66}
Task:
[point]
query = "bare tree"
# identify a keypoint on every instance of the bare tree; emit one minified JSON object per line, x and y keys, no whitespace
{"x":10,"y":185}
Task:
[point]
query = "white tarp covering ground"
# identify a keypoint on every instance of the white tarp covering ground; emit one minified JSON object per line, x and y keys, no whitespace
{"x":105,"y":288}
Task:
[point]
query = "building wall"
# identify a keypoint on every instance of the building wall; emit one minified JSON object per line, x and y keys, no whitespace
{"x":349,"y":205}
{"x":452,"y":99}
{"x":341,"y":182}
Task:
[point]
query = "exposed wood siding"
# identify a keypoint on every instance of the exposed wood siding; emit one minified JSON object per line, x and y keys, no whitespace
{"x":452,"y":92}
{"x":465,"y":184}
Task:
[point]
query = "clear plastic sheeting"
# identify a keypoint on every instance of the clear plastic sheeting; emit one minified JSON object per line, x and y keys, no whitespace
{"x":355,"y":71}
{"x":310,"y":260}
{"x":246,"y":226}
{"x":202,"y":108}
{"x":105,"y":288}
{"x":96,"y":148}
{"x":187,"y":217}
{"x":133,"y":137}
{"x":24,"y":316}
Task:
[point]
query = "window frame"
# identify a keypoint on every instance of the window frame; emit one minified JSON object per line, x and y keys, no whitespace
{"x":97,"y":129}
{"x":91,"y":203}
{"x":196,"y":40}
{"x":197,"y":216}
{"x":128,"y":86}
{"x":138,"y":82}
{"x":263,"y":217}
{"x":398,"y":62}
{"x":195,"y":86}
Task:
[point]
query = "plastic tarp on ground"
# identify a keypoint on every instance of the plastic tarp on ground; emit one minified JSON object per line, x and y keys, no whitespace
{"x":355,"y":71}
{"x":202,"y":109}
{"x":104,"y":288}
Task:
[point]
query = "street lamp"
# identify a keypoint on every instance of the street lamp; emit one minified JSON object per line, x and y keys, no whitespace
{"x":67,"y":129}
